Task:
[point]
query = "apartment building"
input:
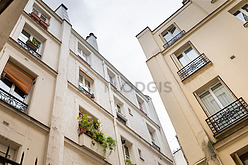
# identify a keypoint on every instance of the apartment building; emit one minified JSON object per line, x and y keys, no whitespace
{"x":50,"y":77}
{"x":200,"y":50}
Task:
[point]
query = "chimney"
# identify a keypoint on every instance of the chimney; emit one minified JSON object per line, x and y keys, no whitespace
{"x":91,"y":39}
{"x":61,"y":11}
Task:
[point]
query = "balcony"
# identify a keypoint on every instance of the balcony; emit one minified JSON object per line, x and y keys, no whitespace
{"x":155,"y":146}
{"x":29,"y":49}
{"x":174,"y":39}
{"x":91,"y":96}
{"x":228,"y":116}
{"x":13,"y":101}
{"x":195,"y":65}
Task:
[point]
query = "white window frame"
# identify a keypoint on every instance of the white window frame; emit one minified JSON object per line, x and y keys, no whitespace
{"x":185,"y":55}
{"x":83,"y":55}
{"x":83,"y":82}
{"x":39,"y":14}
{"x":209,"y":89}
{"x":168,"y":31}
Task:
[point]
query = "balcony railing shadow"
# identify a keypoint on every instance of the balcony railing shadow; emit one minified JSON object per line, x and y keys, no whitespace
{"x":228,"y":116}
{"x":193,"y":66}
{"x":174,"y":39}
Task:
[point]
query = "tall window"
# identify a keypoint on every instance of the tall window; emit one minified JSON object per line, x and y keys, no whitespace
{"x":187,"y":56}
{"x":39,"y":14}
{"x":85,"y":82}
{"x":242,"y":13}
{"x":216,"y":98}
{"x":171,"y":33}
{"x":16,"y":82}
{"x":83,"y":55}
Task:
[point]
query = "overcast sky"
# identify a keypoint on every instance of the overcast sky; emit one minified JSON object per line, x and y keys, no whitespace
{"x":115,"y":23}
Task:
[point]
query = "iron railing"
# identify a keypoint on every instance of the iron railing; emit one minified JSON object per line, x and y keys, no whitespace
{"x":29,"y":49}
{"x":13,"y":101}
{"x":193,"y":66}
{"x":155,"y":146}
{"x":84,"y":91}
{"x":174,"y":39}
{"x":228,"y":116}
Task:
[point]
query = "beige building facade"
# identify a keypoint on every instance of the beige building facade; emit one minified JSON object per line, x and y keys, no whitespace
{"x":49,"y":76}
{"x":200,"y":50}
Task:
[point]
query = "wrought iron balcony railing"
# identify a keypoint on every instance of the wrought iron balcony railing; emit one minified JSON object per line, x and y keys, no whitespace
{"x":155,"y":146}
{"x":228,"y":116}
{"x":13,"y":101}
{"x":174,"y":39}
{"x":29,"y":49}
{"x":193,"y":66}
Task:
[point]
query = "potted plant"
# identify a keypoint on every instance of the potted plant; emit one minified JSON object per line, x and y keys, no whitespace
{"x":32,"y":44}
{"x":100,"y":136}
{"x":128,"y":161}
{"x":84,"y":123}
{"x":108,"y":143}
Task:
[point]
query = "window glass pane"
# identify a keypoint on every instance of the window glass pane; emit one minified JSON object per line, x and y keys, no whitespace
{"x":35,"y":11}
{"x":43,"y":18}
{"x":24,"y":36}
{"x":241,"y":16}
{"x":210,"y":103}
{"x":5,"y":84}
{"x":191,"y":54}
{"x":87,"y":85}
{"x":167,"y":36}
{"x":245,"y":7}
{"x":222,"y":94}
{"x":19,"y":94}
{"x":182,"y":60}
{"x":174,"y":31}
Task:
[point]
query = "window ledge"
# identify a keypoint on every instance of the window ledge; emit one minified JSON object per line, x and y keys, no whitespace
{"x":212,"y":1}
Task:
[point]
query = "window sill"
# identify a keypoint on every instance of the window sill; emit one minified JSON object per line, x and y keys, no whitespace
{"x":212,"y":1}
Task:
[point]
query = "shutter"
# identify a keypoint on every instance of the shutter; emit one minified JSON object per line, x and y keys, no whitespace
{"x":20,"y":78}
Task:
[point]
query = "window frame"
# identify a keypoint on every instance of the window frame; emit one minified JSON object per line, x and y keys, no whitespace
{"x":209,"y":85}
{"x":85,"y":78}
{"x":243,"y":11}
{"x":25,"y":38}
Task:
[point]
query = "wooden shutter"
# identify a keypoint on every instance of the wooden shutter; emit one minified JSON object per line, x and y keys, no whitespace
{"x":19,"y":77}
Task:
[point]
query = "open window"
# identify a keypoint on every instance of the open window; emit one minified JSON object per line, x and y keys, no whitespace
{"x":31,"y":40}
{"x":112,"y":78}
{"x":126,"y":148}
{"x":120,"y":111}
{"x":85,"y":84}
{"x":16,"y":84}
{"x":153,"y":138}
{"x":141,"y":104}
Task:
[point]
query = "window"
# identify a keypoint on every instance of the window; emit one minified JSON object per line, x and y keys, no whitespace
{"x":30,"y":41}
{"x":242,"y":13}
{"x":152,"y":136}
{"x":83,"y":55}
{"x":112,"y":78}
{"x":126,"y":148}
{"x":118,"y":108}
{"x":85,"y":82}
{"x":141,"y":104}
{"x":16,"y":82}
{"x":187,"y":56}
{"x":42,"y":16}
{"x":171,"y":33}
{"x":216,"y":98}
{"x":241,"y":156}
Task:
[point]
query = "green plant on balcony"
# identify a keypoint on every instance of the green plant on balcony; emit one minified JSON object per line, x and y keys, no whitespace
{"x":34,"y":42}
{"x":92,"y":129}
{"x":128,"y":161}
{"x":84,"y":123}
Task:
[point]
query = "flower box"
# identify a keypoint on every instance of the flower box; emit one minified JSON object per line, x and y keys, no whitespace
{"x":88,"y":142}
{"x":31,"y":45}
{"x":43,"y":24}
{"x":34,"y":16}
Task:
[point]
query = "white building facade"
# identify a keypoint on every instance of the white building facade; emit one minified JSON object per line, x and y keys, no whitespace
{"x":49,"y":76}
